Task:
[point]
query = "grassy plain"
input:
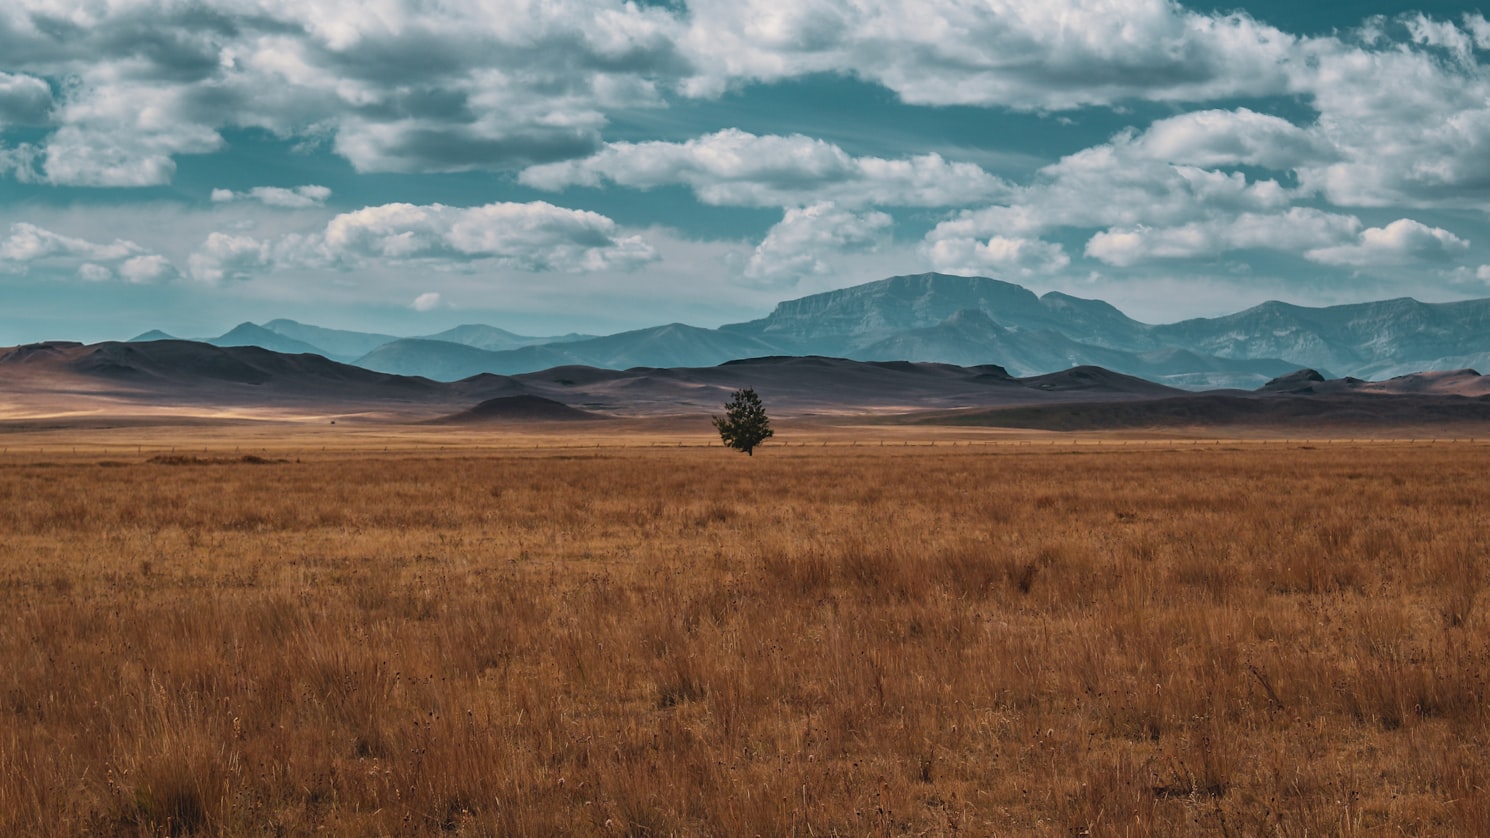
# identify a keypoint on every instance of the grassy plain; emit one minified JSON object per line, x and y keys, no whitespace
{"x":226,"y":631}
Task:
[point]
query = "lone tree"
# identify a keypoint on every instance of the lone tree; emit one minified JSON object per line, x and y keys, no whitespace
{"x":745,"y":424}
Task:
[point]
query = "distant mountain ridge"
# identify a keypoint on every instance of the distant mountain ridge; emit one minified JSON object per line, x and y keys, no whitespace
{"x":961,"y":320}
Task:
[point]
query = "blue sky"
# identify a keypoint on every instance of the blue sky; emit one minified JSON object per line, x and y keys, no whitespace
{"x":588,"y":165}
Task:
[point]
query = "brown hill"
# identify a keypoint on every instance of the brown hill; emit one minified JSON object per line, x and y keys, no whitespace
{"x":1230,"y":410}
{"x":185,"y":378}
{"x":524,"y":408}
{"x":1096,"y":379}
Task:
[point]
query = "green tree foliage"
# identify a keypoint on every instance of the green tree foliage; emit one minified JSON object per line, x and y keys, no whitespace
{"x":745,"y":424}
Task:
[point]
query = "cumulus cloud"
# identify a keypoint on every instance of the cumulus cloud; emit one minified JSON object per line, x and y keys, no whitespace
{"x":1028,"y":54}
{"x":1475,"y":278}
{"x":123,"y":133}
{"x":428,"y":301}
{"x":1408,"y":127}
{"x":1216,"y":138}
{"x":998,"y":255}
{"x":1295,"y":231}
{"x":1445,"y":35}
{"x":299,"y":197}
{"x":1135,"y":179}
{"x":1479,"y":28}
{"x":147,"y":268}
{"x":806,"y":237}
{"x":536,"y":237}
{"x":30,"y":246}
{"x":736,"y":168}
{"x":20,"y":162}
{"x":24,"y":100}
{"x":224,"y":256}
{"x":1402,"y":242}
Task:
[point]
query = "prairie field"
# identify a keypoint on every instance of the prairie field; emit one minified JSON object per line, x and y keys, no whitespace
{"x":1259,"y":638}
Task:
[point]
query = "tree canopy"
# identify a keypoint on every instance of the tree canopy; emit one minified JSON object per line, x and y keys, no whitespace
{"x":744,"y":424}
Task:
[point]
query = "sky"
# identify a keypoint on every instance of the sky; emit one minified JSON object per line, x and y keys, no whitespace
{"x":556,"y":166}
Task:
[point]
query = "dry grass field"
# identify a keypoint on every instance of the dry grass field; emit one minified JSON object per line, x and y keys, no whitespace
{"x":1236,"y":639}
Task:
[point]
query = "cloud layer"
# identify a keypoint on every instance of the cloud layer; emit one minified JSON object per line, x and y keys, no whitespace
{"x":1230,"y":145}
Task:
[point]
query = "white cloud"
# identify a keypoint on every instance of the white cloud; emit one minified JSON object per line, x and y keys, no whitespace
{"x":1408,"y":127}
{"x":224,"y":256}
{"x":534,"y":237}
{"x":998,"y":255}
{"x":1473,"y":278}
{"x":24,"y":100}
{"x":28,"y":243}
{"x":1134,"y":180}
{"x":147,"y":268}
{"x":123,"y":133}
{"x":806,"y":238}
{"x":299,"y":197}
{"x":30,"y":246}
{"x":20,"y":162}
{"x":428,"y":301}
{"x":1402,"y":242}
{"x":736,"y":168}
{"x":1295,"y":231}
{"x":1444,"y":35}
{"x":1028,"y":54}
{"x":1216,"y":138}
{"x":1479,"y":28}
{"x":94,"y":272}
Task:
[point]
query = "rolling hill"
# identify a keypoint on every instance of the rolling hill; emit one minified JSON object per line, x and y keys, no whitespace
{"x":184,"y":378}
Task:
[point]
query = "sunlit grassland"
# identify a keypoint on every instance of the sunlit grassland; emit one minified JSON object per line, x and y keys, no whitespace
{"x":1276,"y":638}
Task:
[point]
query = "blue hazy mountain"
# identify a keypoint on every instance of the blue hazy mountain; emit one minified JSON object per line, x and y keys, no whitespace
{"x":960,"y":320}
{"x":673,"y":345}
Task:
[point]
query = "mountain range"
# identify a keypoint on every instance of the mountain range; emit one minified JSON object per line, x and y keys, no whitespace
{"x":967,"y":321}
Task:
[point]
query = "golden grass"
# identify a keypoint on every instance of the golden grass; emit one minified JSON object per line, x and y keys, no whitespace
{"x":1264,"y":639}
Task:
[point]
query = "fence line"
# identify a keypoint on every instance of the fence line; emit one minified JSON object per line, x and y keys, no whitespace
{"x":137,"y":450}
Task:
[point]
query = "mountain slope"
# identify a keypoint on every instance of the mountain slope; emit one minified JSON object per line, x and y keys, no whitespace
{"x":674,"y":345}
{"x":153,"y":334}
{"x":524,"y":408}
{"x":840,"y":322}
{"x":971,"y":337}
{"x":437,"y":359}
{"x":340,"y":344}
{"x":1365,"y":340}
{"x":249,"y":334}
{"x":496,"y":340}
